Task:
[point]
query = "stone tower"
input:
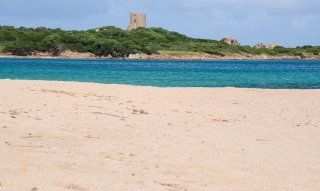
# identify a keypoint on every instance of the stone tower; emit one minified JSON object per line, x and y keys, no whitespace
{"x":137,"y":20}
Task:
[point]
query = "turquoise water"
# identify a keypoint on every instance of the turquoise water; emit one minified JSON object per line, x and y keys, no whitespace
{"x":292,"y":74}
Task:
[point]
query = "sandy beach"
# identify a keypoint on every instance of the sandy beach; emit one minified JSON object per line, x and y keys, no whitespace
{"x":92,"y":137}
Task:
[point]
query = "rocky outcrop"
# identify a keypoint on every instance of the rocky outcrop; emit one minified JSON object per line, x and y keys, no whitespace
{"x":166,"y":56}
{"x":260,"y":45}
{"x":230,"y":41}
{"x":268,"y":46}
{"x":70,"y":54}
{"x":65,"y":54}
{"x":272,"y":46}
{"x":205,"y":56}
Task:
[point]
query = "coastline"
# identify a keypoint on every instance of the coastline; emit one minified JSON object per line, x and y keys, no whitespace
{"x":88,"y":83}
{"x":163,"y":56}
{"x":88,"y":136}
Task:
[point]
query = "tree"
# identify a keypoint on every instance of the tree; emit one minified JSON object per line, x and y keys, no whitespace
{"x":112,"y":41}
{"x":8,"y":36}
{"x":110,"y":47}
{"x":53,"y":44}
{"x":19,"y":48}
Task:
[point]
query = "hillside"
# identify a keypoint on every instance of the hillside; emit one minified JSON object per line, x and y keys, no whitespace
{"x":115,"y":42}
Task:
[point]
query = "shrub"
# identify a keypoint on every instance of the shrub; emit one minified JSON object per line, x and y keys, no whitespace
{"x":215,"y":52}
{"x":19,"y":48}
{"x":112,"y":48}
{"x":300,"y":54}
{"x":53,"y":44}
{"x":118,"y":43}
{"x":281,"y":50}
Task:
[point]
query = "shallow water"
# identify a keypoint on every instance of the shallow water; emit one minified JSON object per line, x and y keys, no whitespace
{"x":289,"y":74}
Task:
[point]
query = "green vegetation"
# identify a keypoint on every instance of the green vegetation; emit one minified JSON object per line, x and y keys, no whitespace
{"x":115,"y":42}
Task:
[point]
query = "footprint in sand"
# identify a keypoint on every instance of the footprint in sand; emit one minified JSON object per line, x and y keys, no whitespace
{"x":34,"y":189}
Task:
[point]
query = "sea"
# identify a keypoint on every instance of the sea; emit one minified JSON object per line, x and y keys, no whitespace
{"x":269,"y":74}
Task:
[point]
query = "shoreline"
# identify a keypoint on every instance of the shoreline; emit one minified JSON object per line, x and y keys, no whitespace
{"x":156,"y":87}
{"x":205,"y":57}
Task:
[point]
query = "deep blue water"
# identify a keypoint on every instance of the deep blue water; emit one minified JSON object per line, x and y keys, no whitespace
{"x":290,"y":74}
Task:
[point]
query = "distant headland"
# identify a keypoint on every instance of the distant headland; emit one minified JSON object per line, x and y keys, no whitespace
{"x":138,"y":42}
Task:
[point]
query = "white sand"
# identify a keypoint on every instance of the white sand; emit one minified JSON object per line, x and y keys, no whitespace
{"x":82,"y":136}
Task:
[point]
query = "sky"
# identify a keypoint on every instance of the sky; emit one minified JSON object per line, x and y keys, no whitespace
{"x":287,"y":22}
